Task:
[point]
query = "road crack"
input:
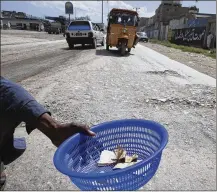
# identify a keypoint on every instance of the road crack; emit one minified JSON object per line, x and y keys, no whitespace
{"x":165,"y":72}
{"x":190,"y":102}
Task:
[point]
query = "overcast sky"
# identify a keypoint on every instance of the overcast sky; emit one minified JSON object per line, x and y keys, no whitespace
{"x":93,"y":8}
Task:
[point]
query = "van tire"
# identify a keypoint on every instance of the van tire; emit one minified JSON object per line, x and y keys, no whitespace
{"x":71,"y":46}
{"x":94,"y":44}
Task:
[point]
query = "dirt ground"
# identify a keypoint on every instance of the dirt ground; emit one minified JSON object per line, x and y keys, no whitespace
{"x":201,"y":63}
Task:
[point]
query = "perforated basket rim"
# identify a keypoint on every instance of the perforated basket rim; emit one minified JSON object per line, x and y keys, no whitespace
{"x":58,"y":159}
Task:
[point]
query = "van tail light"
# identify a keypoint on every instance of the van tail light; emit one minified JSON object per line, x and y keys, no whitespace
{"x":90,"y":34}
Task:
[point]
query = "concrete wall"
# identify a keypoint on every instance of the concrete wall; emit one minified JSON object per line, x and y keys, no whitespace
{"x":166,"y":32}
{"x":169,"y":34}
{"x":163,"y":33}
{"x":171,"y":2}
{"x":189,"y":36}
{"x":175,"y":23}
{"x":194,"y":32}
{"x":161,"y":20}
{"x":199,"y":22}
{"x":211,"y":26}
{"x":151,"y":27}
{"x":153,"y":33}
{"x":143,"y":21}
{"x":169,"y":17}
{"x":143,"y":29}
{"x":156,"y":34}
{"x":150,"y":21}
{"x":213,"y":31}
{"x":165,"y":13}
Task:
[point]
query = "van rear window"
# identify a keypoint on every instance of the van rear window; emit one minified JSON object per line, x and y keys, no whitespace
{"x":79,"y":25}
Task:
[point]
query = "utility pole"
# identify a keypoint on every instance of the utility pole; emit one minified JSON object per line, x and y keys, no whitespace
{"x":102,"y":11}
{"x":108,"y":5}
{"x":75,"y":13}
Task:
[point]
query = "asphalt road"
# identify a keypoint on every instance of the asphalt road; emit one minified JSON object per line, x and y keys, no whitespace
{"x":29,"y":56}
{"x":93,"y":86}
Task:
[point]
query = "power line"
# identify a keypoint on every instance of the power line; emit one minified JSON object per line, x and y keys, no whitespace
{"x":75,"y":12}
{"x":102,"y":11}
{"x":108,"y":5}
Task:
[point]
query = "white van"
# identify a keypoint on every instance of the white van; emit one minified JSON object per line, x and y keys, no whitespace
{"x":84,"y":32}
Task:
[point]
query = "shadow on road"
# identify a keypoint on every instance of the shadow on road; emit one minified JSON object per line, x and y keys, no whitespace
{"x":113,"y":53}
{"x":65,"y":48}
{"x":78,"y":48}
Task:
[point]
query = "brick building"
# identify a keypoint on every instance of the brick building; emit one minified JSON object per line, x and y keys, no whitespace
{"x":142,"y":23}
{"x":158,"y":25}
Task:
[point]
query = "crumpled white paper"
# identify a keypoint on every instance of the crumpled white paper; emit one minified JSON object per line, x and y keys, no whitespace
{"x":118,"y":157}
{"x":107,"y":158}
{"x":124,"y":165}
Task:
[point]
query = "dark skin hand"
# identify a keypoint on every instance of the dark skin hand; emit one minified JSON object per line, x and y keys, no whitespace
{"x":58,"y":132}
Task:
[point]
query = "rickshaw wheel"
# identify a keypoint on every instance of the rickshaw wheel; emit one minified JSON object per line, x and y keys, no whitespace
{"x":107,"y":47}
{"x":94,"y":44}
{"x":71,"y":46}
{"x":123,"y":50}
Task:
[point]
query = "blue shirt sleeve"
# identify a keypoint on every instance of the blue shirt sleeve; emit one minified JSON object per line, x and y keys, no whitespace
{"x":17,"y":105}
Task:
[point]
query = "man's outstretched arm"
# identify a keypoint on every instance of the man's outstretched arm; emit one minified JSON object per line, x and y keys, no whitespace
{"x":18,"y":105}
{"x":60,"y":132}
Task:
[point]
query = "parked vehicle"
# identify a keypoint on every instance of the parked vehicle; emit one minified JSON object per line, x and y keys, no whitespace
{"x":121,"y":30}
{"x":84,"y":32}
{"x":142,"y":36}
{"x":61,"y":20}
{"x":55,"y":28}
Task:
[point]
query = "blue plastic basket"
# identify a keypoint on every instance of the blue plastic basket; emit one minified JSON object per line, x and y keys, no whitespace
{"x":77,"y":157}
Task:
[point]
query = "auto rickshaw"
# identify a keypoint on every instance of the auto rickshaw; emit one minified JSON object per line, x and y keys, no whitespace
{"x":121,"y":30}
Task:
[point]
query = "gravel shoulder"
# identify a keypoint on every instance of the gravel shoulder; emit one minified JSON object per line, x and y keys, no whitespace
{"x":196,"y":61}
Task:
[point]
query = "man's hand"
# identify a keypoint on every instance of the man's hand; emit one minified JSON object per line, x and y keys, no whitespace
{"x":57,"y":132}
{"x":64,"y":131}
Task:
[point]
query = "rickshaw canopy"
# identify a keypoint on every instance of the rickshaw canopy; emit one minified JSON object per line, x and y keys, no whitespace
{"x":115,"y":10}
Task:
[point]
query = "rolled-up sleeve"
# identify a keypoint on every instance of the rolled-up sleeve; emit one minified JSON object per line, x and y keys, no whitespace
{"x":17,"y":105}
{"x":30,"y":113}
